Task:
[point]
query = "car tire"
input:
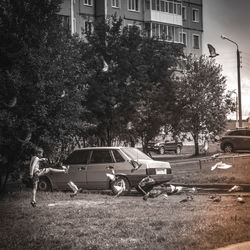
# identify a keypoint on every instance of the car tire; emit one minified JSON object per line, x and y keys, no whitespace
{"x":178,"y":150}
{"x":161,"y":151}
{"x":228,"y":148}
{"x":44,"y":185}
{"x":117,"y":182}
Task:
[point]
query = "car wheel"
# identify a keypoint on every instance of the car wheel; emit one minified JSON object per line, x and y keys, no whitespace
{"x":44,"y":185}
{"x":228,"y":148}
{"x":178,"y":150}
{"x":146,"y":189}
{"x":162,"y":150}
{"x":118,"y":183}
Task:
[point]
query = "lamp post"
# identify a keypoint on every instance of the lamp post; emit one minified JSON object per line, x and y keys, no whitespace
{"x":238,"y":73}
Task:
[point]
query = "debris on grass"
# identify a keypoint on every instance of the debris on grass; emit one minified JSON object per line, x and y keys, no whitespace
{"x":235,"y":188}
{"x":220,"y":165}
{"x":215,"y":198}
{"x":188,"y":198}
{"x":215,"y":155}
{"x":240,"y":199}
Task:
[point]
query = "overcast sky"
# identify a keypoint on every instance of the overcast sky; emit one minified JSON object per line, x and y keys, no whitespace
{"x":232,"y":19}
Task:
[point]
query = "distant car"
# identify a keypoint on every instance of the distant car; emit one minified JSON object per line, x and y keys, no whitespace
{"x":164,"y":146}
{"x":89,"y":166}
{"x":236,"y":140}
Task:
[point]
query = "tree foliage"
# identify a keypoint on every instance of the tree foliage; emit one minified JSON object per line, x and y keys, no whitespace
{"x":201,"y":99}
{"x":43,"y":82}
{"x":136,"y":88}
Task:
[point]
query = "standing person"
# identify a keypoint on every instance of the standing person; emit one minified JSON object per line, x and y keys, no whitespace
{"x":36,"y":172}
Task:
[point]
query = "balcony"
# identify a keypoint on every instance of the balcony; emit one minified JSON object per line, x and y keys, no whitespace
{"x":163,"y":17}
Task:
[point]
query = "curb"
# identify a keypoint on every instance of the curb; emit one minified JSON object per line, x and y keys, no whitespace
{"x":245,"y":187}
{"x":238,"y":246}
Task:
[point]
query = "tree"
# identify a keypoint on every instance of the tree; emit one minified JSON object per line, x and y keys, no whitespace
{"x":201,"y":99}
{"x":136,"y":87}
{"x":42,"y":83}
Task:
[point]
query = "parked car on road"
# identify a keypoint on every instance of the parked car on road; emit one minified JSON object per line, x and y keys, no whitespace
{"x":236,"y":140}
{"x":164,"y":146}
{"x":89,"y":166}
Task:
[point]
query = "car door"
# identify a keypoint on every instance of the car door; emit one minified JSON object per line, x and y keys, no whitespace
{"x":77,"y":162}
{"x":170,"y":145}
{"x":238,"y":139}
{"x":247,"y":140}
{"x":100,"y":163}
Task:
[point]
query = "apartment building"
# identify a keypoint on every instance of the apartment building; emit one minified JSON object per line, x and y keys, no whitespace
{"x":178,"y":21}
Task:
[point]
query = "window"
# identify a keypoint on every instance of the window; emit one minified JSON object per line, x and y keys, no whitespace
{"x":196,"y":41}
{"x":171,"y":7}
{"x":65,"y":22}
{"x":87,"y":2}
{"x":170,"y":33}
{"x":115,"y":3}
{"x":183,"y":38}
{"x":238,"y":133}
{"x":184,"y":13}
{"x":88,"y":27}
{"x":101,"y":156}
{"x":133,"y":5}
{"x":178,"y":6}
{"x":195,"y":15}
{"x":78,"y":157}
{"x":163,"y":5}
{"x":118,"y":157}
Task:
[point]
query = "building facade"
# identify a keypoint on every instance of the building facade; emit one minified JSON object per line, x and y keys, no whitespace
{"x":178,"y":21}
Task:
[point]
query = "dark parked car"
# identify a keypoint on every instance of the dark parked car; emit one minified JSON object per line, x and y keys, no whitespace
{"x":89,"y":166}
{"x":164,"y":146}
{"x":236,"y":140}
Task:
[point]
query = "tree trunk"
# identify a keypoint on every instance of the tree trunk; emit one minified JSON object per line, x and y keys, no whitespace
{"x":196,"y":144}
{"x":5,"y":182}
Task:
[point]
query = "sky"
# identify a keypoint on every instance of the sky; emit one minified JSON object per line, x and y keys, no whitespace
{"x":230,"y":18}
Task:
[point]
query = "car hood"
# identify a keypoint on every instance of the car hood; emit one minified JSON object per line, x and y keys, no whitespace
{"x":155,"y":164}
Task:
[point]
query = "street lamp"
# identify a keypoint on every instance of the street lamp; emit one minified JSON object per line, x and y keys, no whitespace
{"x":238,"y":72}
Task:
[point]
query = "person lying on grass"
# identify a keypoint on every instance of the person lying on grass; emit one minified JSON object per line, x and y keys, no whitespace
{"x":36,"y":172}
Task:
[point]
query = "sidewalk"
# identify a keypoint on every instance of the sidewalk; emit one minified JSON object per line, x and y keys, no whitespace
{"x":238,"y":246}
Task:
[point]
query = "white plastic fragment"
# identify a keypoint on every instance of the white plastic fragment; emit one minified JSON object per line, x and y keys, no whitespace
{"x":240,"y":199}
{"x":235,"y":188}
{"x":220,"y":165}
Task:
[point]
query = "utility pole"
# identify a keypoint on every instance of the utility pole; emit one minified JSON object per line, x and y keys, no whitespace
{"x":239,"y":81}
{"x":239,"y":87}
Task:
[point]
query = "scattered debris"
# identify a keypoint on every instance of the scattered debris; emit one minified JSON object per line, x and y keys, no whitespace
{"x":240,"y":199}
{"x":235,"y":188}
{"x":215,"y":198}
{"x":51,"y":205}
{"x":188,"y":198}
{"x":220,"y":165}
{"x":176,"y":189}
{"x":215,"y":155}
{"x":120,"y":188}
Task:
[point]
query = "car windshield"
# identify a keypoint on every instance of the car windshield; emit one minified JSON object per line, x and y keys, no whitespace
{"x":135,"y":154}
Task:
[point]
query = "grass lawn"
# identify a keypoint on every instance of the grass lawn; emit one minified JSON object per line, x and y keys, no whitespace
{"x":99,"y":221}
{"x":239,"y":173}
